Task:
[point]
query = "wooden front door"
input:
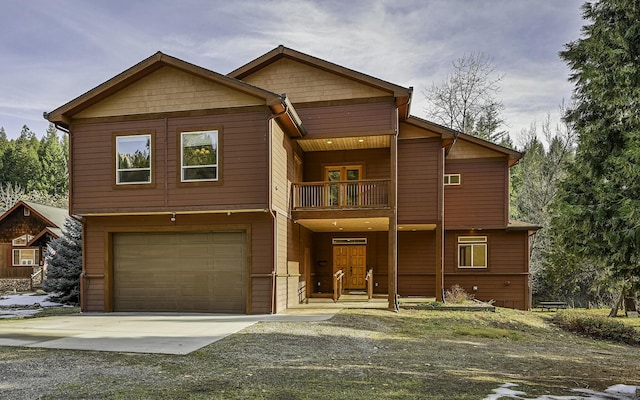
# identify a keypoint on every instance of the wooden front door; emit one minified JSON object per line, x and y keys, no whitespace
{"x":353,"y":261}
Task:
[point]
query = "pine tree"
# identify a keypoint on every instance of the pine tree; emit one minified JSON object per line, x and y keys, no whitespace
{"x":63,"y":258}
{"x":597,"y":218}
{"x":53,"y":160}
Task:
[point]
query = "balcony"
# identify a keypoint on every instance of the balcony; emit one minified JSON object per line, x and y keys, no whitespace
{"x":340,"y":195}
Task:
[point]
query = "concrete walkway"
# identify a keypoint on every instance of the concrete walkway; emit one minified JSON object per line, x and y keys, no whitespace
{"x":164,"y":333}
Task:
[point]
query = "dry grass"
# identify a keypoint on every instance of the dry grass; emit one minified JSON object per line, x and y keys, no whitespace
{"x":415,"y":354}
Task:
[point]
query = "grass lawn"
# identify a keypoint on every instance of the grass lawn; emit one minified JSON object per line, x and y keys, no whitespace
{"x":358,"y":354}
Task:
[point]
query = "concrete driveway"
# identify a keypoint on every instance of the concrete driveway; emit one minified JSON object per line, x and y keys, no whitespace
{"x":134,"y":332}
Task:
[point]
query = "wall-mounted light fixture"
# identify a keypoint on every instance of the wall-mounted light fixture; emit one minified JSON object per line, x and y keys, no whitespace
{"x":173,"y":217}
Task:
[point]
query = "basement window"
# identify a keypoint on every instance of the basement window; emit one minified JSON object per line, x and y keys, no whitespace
{"x":472,"y":252}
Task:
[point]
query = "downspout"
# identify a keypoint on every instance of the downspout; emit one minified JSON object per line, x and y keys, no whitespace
{"x":166,"y":163}
{"x":274,"y":217}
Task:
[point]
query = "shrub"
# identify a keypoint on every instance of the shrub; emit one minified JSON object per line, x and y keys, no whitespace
{"x":597,"y":327}
{"x":457,"y":295}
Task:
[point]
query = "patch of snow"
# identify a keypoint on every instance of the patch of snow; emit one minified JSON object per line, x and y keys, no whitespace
{"x":615,"y":392}
{"x":27,"y":299}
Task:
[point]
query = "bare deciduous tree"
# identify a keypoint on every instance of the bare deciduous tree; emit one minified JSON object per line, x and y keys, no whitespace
{"x":466,"y":99}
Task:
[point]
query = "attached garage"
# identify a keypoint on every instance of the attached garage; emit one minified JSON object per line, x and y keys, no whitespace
{"x":180,"y":272}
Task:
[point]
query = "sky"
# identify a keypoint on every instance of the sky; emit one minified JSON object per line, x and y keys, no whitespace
{"x":52,"y":51}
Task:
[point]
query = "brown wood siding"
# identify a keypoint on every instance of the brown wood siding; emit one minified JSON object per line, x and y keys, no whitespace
{"x":261,"y":250}
{"x":416,"y":263}
{"x":243,"y":170}
{"x":505,"y":279}
{"x":377,"y":259}
{"x":418,"y":180}
{"x":363,"y":119}
{"x":375,"y":162}
{"x":481,"y":200}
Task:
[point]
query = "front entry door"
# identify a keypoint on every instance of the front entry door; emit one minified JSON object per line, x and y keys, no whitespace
{"x":353,"y":261}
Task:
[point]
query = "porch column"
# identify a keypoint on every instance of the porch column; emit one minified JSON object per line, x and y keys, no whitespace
{"x":439,"y":265}
{"x":393,"y":232}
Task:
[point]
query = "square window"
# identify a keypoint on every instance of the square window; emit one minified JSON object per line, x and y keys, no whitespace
{"x":133,"y":159}
{"x":199,"y":156}
{"x":472,"y":252}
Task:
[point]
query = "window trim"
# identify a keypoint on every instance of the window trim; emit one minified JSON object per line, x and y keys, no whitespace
{"x":115,"y":170}
{"x":36,"y":259}
{"x":180,"y":160}
{"x":27,"y":238}
{"x":447,"y":179}
{"x":473,"y":241}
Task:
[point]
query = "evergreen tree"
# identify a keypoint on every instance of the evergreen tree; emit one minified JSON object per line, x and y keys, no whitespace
{"x":63,"y":258}
{"x":21,"y":162}
{"x":597,"y":216}
{"x":53,"y":160}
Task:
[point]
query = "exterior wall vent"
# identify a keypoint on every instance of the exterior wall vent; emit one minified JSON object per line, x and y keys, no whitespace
{"x":343,"y":241}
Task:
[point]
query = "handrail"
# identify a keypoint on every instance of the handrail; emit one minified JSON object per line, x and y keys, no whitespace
{"x":32,"y":280}
{"x":365,"y":193}
{"x":338,"y":276}
{"x":369,"y":280}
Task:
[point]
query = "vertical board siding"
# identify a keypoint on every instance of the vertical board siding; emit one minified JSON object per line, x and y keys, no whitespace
{"x":261,"y":249}
{"x":418,"y":180}
{"x":481,"y":200}
{"x":349,"y":119}
{"x":280,"y":153}
{"x":416,"y":263}
{"x":506,"y":278}
{"x":242,"y":176}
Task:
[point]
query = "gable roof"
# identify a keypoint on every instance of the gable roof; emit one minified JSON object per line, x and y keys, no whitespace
{"x":402,"y":94}
{"x":53,"y":217}
{"x":62,"y":115}
{"x":451,"y":135}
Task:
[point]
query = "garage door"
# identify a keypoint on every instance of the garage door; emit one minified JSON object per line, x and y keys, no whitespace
{"x":184,"y":272}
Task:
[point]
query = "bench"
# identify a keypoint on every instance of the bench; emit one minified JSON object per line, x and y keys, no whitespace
{"x":549,"y":305}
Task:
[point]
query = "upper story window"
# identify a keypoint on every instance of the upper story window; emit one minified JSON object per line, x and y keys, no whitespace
{"x":133,"y":159}
{"x":452,"y":179}
{"x":22,"y":240}
{"x":199,"y":156}
{"x":472,"y":252}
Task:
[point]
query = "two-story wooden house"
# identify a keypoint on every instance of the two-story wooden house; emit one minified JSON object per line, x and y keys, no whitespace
{"x":252,"y":191}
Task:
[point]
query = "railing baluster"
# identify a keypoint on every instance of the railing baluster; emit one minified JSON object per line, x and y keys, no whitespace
{"x":370,"y":193}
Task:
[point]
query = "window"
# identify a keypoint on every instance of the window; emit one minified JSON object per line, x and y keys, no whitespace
{"x":452,"y":179}
{"x":472,"y":252}
{"x":133,"y":159}
{"x":199,"y":156}
{"x":26,"y":212}
{"x":24,"y":257}
{"x":22,"y":240}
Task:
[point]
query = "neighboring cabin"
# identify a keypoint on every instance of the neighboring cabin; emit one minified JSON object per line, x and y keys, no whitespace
{"x":248,"y":192}
{"x":25,"y":230}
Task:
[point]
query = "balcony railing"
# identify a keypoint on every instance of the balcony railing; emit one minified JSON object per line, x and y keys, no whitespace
{"x":369,"y":193}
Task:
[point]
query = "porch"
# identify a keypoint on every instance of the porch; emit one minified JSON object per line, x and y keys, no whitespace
{"x":350,"y":194}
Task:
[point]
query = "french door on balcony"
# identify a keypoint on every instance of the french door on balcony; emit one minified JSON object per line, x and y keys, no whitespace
{"x":346,"y":194}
